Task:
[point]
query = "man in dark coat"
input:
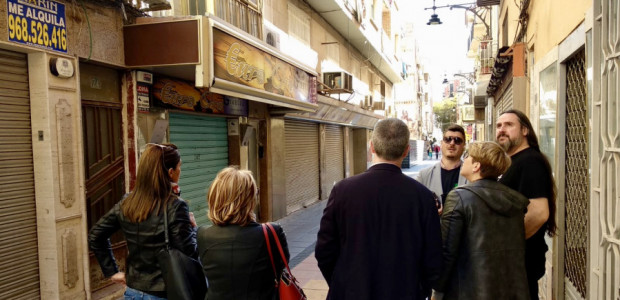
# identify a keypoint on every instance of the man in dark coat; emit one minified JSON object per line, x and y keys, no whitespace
{"x":380,"y":236}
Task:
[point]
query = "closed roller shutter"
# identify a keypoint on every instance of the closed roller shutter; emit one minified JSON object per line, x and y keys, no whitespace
{"x":203,"y":144}
{"x":334,"y":159}
{"x":19,"y":257}
{"x":505,"y":102}
{"x":302,"y":164}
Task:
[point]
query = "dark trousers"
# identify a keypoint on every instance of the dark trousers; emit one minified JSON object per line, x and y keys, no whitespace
{"x":533,"y":283}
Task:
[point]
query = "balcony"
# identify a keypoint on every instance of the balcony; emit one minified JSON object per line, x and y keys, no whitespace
{"x":347,"y":19}
{"x":486,"y":57}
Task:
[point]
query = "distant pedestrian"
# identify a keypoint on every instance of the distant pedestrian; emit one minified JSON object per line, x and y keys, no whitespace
{"x":530,"y":174}
{"x":442,"y":177}
{"x":483,"y":232}
{"x":140,"y":217}
{"x":380,"y":236}
{"x":437,"y":151}
{"x":233,"y":251}
{"x":429,"y":150}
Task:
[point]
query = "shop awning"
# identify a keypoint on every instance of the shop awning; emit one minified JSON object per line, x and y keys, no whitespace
{"x":480,"y":96}
{"x":336,"y":112}
{"x":222,"y":58}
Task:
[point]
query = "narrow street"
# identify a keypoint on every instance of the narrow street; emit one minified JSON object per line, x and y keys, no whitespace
{"x":301,"y":228}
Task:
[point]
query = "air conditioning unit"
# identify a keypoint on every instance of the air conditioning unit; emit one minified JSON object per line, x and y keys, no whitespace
{"x":378,"y":106}
{"x":272,"y":38}
{"x":338,"y":80}
{"x":367,"y":102}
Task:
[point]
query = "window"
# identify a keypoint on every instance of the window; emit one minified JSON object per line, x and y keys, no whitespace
{"x":547,"y":112}
{"x":298,"y":24}
{"x":244,"y":14}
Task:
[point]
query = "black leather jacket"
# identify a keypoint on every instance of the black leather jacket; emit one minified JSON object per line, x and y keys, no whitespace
{"x":144,"y":241}
{"x":236,"y":261}
{"x":484,"y":243}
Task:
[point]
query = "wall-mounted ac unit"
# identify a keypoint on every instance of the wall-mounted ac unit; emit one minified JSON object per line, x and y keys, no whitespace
{"x":338,"y":80}
{"x":378,"y":106}
{"x":367,"y":102}
{"x":272,"y":38}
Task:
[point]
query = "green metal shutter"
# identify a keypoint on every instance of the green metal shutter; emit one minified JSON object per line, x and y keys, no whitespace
{"x":19,"y":256}
{"x":334,"y":158}
{"x":302,"y":164}
{"x":203,"y":144}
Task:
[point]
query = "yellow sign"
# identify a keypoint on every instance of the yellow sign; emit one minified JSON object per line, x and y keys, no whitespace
{"x":39,"y":23}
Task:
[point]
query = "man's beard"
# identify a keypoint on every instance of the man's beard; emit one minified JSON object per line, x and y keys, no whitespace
{"x":510,"y":144}
{"x":452,"y":156}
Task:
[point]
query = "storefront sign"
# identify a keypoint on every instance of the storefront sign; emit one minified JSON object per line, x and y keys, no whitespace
{"x":143,"y":98}
{"x":239,"y":62}
{"x":172,"y":93}
{"x":39,"y":23}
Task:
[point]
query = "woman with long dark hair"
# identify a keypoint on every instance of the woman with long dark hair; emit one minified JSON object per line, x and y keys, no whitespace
{"x":140,"y":216}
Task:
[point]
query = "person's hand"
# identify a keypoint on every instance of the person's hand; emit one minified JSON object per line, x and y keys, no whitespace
{"x":438,"y":204}
{"x":192,"y":220}
{"x":119,"y":278}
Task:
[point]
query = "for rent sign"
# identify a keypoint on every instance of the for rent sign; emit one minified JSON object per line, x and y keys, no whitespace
{"x":39,"y":23}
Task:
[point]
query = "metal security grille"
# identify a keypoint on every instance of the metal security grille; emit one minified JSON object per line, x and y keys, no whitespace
{"x":203,"y":144}
{"x":19,"y":257}
{"x":333,"y":163}
{"x":504,"y":103}
{"x":604,"y":255}
{"x":302,"y":164}
{"x":576,"y":178}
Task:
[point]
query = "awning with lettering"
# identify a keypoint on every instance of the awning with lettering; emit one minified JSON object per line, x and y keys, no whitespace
{"x":221,"y":58}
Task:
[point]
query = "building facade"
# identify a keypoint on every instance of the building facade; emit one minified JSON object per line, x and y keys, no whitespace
{"x":567,"y":56}
{"x":85,"y":86}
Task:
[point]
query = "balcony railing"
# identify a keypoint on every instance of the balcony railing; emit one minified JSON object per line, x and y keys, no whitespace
{"x":486,"y":52}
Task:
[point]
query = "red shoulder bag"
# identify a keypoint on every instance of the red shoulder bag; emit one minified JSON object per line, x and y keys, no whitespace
{"x":287,"y":286}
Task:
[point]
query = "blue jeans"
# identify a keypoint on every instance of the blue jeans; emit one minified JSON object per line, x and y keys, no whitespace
{"x":133,"y":294}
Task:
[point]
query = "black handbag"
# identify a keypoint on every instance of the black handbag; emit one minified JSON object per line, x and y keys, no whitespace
{"x":182,"y":274}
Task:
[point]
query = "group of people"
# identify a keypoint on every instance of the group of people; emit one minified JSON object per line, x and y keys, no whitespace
{"x":470,"y":227}
{"x":433,"y":148}
{"x":232,"y":251}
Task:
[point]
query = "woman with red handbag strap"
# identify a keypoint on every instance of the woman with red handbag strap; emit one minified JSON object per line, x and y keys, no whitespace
{"x":288,"y":287}
{"x":233,"y":251}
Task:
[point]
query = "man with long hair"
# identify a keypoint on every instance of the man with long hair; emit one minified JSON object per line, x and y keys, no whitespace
{"x":379,"y":236}
{"x":530,"y":174}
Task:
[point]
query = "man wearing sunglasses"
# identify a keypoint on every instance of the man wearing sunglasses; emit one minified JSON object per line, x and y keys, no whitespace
{"x":445,"y":175}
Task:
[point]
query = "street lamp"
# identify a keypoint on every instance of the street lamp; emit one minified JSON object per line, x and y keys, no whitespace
{"x":434,"y":20}
{"x":445,"y":79}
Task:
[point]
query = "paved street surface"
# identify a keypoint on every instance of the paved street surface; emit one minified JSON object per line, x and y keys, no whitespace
{"x":301,"y":228}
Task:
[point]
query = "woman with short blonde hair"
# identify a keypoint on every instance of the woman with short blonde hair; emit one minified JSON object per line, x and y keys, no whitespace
{"x":494,"y":161}
{"x":233,"y":251}
{"x":232,"y":197}
{"x":483,"y":232}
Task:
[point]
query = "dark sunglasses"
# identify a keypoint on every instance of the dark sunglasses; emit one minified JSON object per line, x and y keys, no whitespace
{"x":457,"y":140}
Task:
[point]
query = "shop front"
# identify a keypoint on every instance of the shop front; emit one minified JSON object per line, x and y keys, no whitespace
{"x":218,"y":103}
